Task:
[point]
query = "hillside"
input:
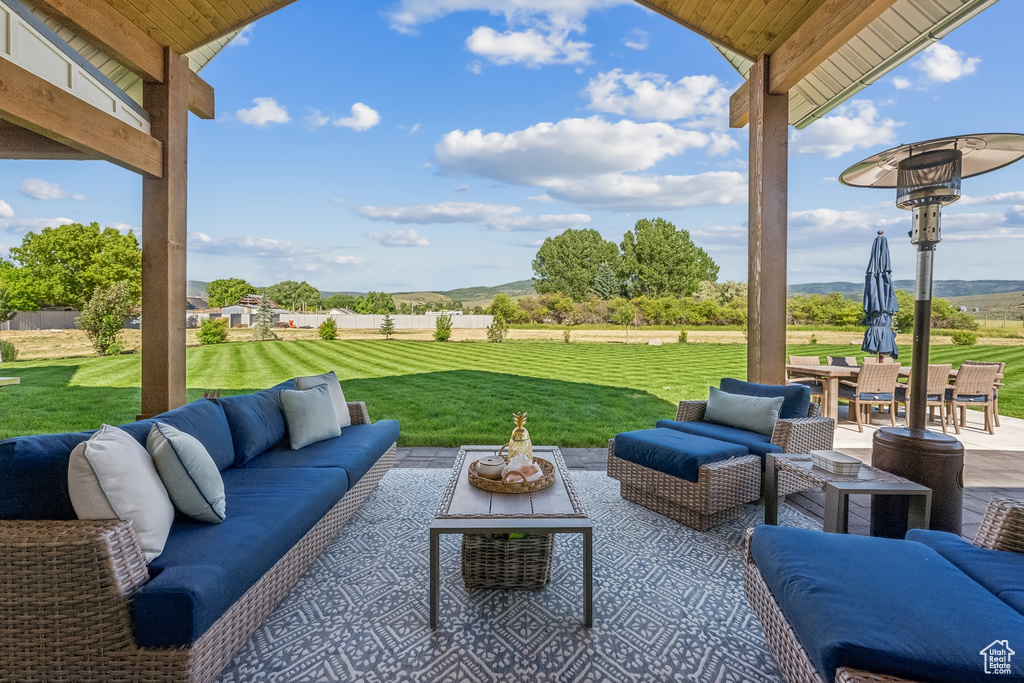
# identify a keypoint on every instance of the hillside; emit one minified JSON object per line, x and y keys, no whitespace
{"x":942,"y":288}
{"x":1009,"y":303}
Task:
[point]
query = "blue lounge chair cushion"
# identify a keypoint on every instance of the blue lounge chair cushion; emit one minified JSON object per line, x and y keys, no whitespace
{"x":357,"y":449}
{"x":205,"y":568}
{"x":756,"y":444}
{"x":881,"y":605}
{"x":797,"y":398}
{"x":256,"y":420}
{"x":672,"y":452}
{"x":1001,"y":572}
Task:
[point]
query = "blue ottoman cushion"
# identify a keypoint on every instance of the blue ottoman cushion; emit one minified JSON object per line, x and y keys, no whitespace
{"x":757,"y":444}
{"x":674,"y":453}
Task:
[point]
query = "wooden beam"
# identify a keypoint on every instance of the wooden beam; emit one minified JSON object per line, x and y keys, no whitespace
{"x":831,"y":26}
{"x":767,"y":207}
{"x":19,"y":143}
{"x":40,"y":106}
{"x":110,"y":31}
{"x":164,"y":231}
{"x":201,"y":97}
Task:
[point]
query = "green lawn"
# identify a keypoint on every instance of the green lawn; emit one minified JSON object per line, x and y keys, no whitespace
{"x":443,"y":394}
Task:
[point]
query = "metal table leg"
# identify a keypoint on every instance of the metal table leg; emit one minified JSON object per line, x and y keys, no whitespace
{"x":588,"y":578}
{"x":435,"y":574}
{"x":771,"y":491}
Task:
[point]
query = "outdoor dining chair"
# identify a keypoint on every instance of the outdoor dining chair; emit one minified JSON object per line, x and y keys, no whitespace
{"x":843,"y":361}
{"x":816,"y":386}
{"x":995,"y":389}
{"x":935,"y":394}
{"x":973,"y":387}
{"x":874,"y":359}
{"x":875,"y":386}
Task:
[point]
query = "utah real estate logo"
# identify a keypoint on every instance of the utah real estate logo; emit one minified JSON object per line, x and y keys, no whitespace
{"x":997,"y":657}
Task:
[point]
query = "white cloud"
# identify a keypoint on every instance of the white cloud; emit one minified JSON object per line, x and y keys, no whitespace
{"x":317,"y":118}
{"x":637,"y":39}
{"x":363,"y":118}
{"x":125,"y":228}
{"x":943,"y":64}
{"x":415,"y":128}
{"x":855,"y":125}
{"x":500,"y":217}
{"x":40,"y":189}
{"x":20,"y":226}
{"x":244,"y":37}
{"x":411,"y":13}
{"x":545,"y":43}
{"x":541,"y":198}
{"x":654,"y":96}
{"x":475,"y":67}
{"x":1000,"y":198}
{"x":5,"y":210}
{"x":399,"y":238}
{"x":901,"y":83}
{"x":651,"y":192}
{"x":281,"y":252}
{"x":265,"y":111}
{"x":338,"y":200}
{"x":722,"y":143}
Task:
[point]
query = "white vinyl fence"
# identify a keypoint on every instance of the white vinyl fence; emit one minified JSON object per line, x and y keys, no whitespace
{"x":372,"y":322}
{"x":41,"y":320}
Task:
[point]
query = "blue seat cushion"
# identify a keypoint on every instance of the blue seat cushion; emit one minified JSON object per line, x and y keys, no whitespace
{"x":902,"y":394}
{"x":966,"y":398}
{"x":756,"y":444}
{"x":1001,"y":572}
{"x":666,"y":450}
{"x":850,"y":393}
{"x":797,"y":398}
{"x":205,"y":568}
{"x":881,"y":605}
{"x":34,"y":476}
{"x":357,"y":450}
{"x":256,"y":421}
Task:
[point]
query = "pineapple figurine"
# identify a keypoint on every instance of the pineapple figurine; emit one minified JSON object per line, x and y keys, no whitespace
{"x":520,"y":443}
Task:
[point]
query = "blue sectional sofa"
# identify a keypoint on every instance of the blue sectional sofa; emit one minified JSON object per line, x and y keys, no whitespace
{"x":86,"y":605}
{"x":933,"y":607}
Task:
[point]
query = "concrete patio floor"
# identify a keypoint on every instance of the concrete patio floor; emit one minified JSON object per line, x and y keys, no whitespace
{"x":993,"y":465}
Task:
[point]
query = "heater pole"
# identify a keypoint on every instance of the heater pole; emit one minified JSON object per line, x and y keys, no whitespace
{"x":922,"y":338}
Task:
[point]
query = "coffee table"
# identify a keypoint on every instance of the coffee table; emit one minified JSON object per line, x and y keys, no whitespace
{"x":465,"y":509}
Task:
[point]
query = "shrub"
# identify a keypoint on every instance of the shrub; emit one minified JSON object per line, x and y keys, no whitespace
{"x":814,"y":339}
{"x":567,"y":335}
{"x":497,"y":331}
{"x":102,"y":318}
{"x":328,"y":329}
{"x":964,"y":338}
{"x":443,"y":328}
{"x":7,"y":351}
{"x":682,"y":336}
{"x":213,"y":331}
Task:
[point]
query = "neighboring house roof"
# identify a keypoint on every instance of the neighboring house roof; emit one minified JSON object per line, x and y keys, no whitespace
{"x":341,"y":311}
{"x":195,"y":303}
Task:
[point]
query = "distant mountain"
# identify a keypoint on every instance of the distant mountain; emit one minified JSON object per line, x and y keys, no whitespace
{"x":941,"y":288}
{"x":196,"y":287}
{"x":513,"y":289}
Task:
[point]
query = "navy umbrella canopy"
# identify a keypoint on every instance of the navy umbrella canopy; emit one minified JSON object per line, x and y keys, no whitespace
{"x":879,"y":301}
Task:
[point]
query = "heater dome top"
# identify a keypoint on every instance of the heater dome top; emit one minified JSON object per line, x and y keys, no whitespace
{"x":982,"y":153}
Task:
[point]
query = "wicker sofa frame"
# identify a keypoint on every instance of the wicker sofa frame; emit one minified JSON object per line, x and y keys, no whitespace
{"x":1002,"y":528}
{"x":721,"y":487}
{"x":66,"y":612}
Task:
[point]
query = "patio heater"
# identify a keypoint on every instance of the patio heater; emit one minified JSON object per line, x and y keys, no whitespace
{"x":926,"y":176}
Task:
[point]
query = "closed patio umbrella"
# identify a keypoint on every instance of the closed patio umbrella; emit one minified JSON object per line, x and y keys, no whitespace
{"x":879,"y":302}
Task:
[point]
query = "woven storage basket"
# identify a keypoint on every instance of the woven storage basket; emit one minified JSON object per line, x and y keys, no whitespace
{"x":497,"y":561}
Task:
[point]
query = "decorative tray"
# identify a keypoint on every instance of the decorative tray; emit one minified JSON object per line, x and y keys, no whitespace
{"x":497,"y":486}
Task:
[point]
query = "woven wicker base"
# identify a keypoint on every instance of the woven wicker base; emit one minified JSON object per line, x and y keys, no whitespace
{"x":496,"y":561}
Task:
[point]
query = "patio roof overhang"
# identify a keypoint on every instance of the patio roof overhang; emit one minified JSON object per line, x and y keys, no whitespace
{"x":800,"y":58}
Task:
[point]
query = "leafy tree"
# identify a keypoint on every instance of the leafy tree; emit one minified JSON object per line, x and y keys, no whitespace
{"x":443,"y":328}
{"x":293,"y":295}
{"x":263,"y":321}
{"x":338,"y":301}
{"x":387,"y":327}
{"x":375,"y":303}
{"x":8,"y":352}
{"x":63,"y":266}
{"x":568,"y":263}
{"x":606,"y":286}
{"x":503,"y":308}
{"x":213,"y":331}
{"x":723,"y":293}
{"x":660,"y":260}
{"x":102,"y":318}
{"x":328,"y":329}
{"x":7,"y":311}
{"x":944,"y":314}
{"x":623,"y":312}
{"x":404,"y":308}
{"x":497,"y":331}
{"x":227,"y":292}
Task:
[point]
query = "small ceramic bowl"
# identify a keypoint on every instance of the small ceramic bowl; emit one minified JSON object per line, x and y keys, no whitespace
{"x":490,"y":467}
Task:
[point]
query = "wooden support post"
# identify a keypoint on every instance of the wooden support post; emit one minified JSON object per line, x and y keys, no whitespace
{"x":766,"y":303}
{"x":164,"y":233}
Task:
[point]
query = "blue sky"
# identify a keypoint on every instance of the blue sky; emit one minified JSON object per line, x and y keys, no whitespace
{"x":427,"y":144}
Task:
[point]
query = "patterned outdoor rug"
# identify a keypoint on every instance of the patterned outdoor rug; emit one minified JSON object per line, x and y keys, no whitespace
{"x":668,"y":603}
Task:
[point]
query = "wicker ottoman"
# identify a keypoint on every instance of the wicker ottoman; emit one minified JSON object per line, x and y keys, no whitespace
{"x":721,"y":488}
{"x":500,"y":561}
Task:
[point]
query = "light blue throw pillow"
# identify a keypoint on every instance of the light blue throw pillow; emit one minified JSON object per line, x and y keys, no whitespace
{"x":310,"y":415}
{"x":751,"y":413}
{"x":188,"y":472}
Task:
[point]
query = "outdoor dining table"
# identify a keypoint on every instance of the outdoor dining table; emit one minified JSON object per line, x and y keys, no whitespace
{"x":830,"y":376}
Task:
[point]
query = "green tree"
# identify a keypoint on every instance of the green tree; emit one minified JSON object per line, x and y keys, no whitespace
{"x":375,"y":303}
{"x":338,"y":301}
{"x":622,"y":312}
{"x":660,"y":260}
{"x":213,"y":331}
{"x":497,"y":331}
{"x":568,"y":263}
{"x":293,"y":295}
{"x":387,"y":327}
{"x":263,"y":321}
{"x":227,"y":292}
{"x":503,"y":308}
{"x":606,"y":286}
{"x":102,"y":318}
{"x":443,"y":328}
{"x":63,"y":266}
{"x":328,"y":329}
{"x":7,"y":311}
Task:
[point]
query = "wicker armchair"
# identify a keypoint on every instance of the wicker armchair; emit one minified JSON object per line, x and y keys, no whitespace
{"x":68,"y":589}
{"x":1002,"y":528}
{"x":816,"y":386}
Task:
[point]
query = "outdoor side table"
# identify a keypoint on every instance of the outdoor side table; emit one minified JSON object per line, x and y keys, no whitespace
{"x":838,"y":488}
{"x":465,"y":509}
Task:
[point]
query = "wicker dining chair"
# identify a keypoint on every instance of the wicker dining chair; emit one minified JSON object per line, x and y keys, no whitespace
{"x":874,"y":359}
{"x":843,"y":361}
{"x":935,"y":394}
{"x":816,"y":386}
{"x":973,"y":387}
{"x":995,"y":389}
{"x":875,"y":386}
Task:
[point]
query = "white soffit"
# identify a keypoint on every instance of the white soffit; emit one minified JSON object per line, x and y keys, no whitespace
{"x":902,"y":31}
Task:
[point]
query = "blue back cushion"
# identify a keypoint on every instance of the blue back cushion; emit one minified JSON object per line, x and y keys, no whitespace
{"x":34,"y":476}
{"x":256,"y":421}
{"x":666,"y":450}
{"x":882,"y":605}
{"x":757,"y":444}
{"x":205,"y":420}
{"x":796,"y":397}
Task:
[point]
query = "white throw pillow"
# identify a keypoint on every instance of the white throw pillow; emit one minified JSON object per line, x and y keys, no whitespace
{"x":111,"y":476}
{"x":334,"y":386}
